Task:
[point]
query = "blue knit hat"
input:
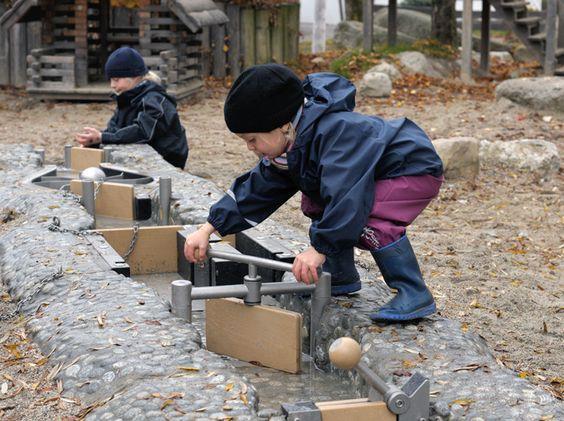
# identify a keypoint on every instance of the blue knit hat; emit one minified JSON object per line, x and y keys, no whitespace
{"x":125,"y":62}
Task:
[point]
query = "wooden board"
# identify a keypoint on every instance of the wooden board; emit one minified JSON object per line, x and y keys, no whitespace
{"x":355,"y":410}
{"x":82,"y":158}
{"x":113,"y":199}
{"x":155,"y":249}
{"x":266,"y":335}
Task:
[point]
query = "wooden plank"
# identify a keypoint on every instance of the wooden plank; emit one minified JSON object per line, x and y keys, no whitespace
{"x":292,"y":21}
{"x":267,"y":335}
{"x":355,"y":410}
{"x":234,"y":34}
{"x":218,"y":52}
{"x":550,"y":44}
{"x":155,"y":249}
{"x":82,"y":158}
{"x":113,"y":199}
{"x":466,"y":68}
{"x":277,"y":36}
{"x":33,"y":35}
{"x":18,"y":54}
{"x":262,"y":36}
{"x":248,"y":36}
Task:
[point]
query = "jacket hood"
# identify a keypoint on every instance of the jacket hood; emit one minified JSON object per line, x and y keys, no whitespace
{"x":143,"y":88}
{"x":325,"y":93}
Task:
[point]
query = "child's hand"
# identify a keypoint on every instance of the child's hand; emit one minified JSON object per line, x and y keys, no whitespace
{"x":196,"y":244}
{"x":306,"y":264}
{"x":90,"y":136}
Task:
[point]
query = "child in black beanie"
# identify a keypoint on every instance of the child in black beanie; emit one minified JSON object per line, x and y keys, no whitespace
{"x":145,"y":113}
{"x":363,"y":180}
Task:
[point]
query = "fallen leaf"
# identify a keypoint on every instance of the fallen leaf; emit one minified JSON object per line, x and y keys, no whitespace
{"x":229,"y":387}
{"x":166,"y":403}
{"x":462,"y":402}
{"x":188,"y":368}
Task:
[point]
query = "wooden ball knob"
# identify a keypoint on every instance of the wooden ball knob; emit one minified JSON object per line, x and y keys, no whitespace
{"x":345,"y":353}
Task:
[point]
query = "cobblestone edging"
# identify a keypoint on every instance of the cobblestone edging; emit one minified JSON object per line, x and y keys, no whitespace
{"x":134,"y":357}
{"x":113,"y":342}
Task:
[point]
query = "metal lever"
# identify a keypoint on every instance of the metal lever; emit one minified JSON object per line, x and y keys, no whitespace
{"x":411,"y":402}
{"x":253,"y":289}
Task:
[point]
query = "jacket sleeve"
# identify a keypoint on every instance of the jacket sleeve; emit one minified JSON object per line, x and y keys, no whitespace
{"x":112,"y":124}
{"x":253,"y":197}
{"x":348,"y":153}
{"x":144,"y":126}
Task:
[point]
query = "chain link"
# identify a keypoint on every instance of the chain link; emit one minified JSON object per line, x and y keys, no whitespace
{"x":69,"y":195}
{"x":38,"y":287}
{"x":97,"y":189}
{"x":133,"y":241}
{"x":55,"y":226}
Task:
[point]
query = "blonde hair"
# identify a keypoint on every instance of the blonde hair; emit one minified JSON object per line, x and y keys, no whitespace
{"x":153,"y":77}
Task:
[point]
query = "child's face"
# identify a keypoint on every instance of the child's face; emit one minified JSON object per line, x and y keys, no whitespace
{"x":270,"y":144}
{"x":121,"y":84}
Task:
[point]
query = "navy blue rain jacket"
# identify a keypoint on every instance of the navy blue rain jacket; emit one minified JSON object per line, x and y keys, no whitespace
{"x":147,"y":114}
{"x":336,"y":158}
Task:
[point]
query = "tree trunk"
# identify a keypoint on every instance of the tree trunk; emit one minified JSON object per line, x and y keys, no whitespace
{"x":444,"y":22}
{"x":353,"y":10}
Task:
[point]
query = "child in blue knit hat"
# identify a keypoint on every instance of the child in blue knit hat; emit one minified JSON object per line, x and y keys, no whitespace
{"x":145,"y":113}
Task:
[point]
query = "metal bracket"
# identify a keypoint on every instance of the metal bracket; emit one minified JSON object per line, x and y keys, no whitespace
{"x":417,"y":388}
{"x":108,"y":254}
{"x":301,"y":411}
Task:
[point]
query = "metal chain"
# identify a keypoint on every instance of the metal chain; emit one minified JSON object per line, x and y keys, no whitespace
{"x":69,"y":195}
{"x":37,"y":288}
{"x":97,"y":189}
{"x":133,"y":241}
{"x":55,"y":226}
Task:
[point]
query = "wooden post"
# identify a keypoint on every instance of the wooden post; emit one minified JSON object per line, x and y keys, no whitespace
{"x":550,"y":50}
{"x":104,"y":29}
{"x":33,"y":35}
{"x":262,"y":36}
{"x":206,"y":52}
{"x":81,"y":42}
{"x":4,"y":58}
{"x":292,"y":24}
{"x":234,"y":53}
{"x":277,"y":35}
{"x":218,"y":44}
{"x":248,"y":36}
{"x":392,"y":22}
{"x":319,"y":28}
{"x":560,"y":43}
{"x":368,"y":25}
{"x":466,"y":69}
{"x":18,"y":46}
{"x":485,"y":38}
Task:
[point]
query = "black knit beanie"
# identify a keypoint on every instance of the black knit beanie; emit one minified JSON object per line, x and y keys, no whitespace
{"x":125,"y":62}
{"x":263,"y":98}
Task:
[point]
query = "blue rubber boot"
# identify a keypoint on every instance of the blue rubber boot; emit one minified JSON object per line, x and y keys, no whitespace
{"x":400,"y":270}
{"x":344,"y":276}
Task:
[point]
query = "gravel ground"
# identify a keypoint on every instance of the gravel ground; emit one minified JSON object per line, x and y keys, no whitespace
{"x":491,"y":250}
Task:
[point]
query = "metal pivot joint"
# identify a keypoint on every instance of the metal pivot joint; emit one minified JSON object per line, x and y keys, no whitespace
{"x":68,"y":151}
{"x":165,"y":194}
{"x":253,"y":283}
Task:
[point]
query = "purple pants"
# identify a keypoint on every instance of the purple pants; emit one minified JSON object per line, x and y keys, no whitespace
{"x":397,"y":202}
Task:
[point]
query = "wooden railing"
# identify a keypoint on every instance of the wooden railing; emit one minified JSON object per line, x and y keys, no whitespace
{"x":45,"y":69}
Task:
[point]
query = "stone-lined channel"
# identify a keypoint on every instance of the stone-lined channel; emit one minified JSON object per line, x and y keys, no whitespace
{"x":117,"y":348}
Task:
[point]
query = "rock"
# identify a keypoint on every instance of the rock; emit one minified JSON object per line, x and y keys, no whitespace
{"x":318,"y":60}
{"x":387,"y":68}
{"x":522,"y":53}
{"x":539,"y":93}
{"x":501,"y":56}
{"x":416,"y":62}
{"x":535,"y":155}
{"x":376,"y":85}
{"x":460,"y":156}
{"x":409,"y":22}
{"x":348,"y":34}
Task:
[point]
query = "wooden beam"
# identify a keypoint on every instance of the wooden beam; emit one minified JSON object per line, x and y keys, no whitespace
{"x":485,"y":38}
{"x":234,"y":34}
{"x":218,"y":52}
{"x":248,"y":36}
{"x":392,"y":22}
{"x":265,"y":335}
{"x":560,"y":42}
{"x":355,"y":410}
{"x":155,"y":249}
{"x":113,"y":200}
{"x":262,"y":36}
{"x":367,"y":25}
{"x":466,"y":68}
{"x":277,"y":35}
{"x":18,"y":54}
{"x":550,"y":49}
{"x":82,"y":158}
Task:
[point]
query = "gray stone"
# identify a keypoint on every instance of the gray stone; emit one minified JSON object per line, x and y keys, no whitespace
{"x":348,"y":34}
{"x":460,"y":156}
{"x":409,"y":22}
{"x":416,"y":62}
{"x":540,"y":93}
{"x":375,"y":85}
{"x":387,"y":68}
{"x":536,"y":155}
{"x":501,"y":56}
